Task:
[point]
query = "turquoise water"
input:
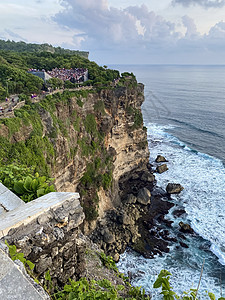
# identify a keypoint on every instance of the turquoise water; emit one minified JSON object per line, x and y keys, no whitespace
{"x":184,"y":112}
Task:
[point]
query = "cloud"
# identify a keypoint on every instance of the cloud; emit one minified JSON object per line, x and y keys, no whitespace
{"x":9,"y":34}
{"x":109,"y":27}
{"x":191,"y":29}
{"x":137,"y":35}
{"x":203,"y":3}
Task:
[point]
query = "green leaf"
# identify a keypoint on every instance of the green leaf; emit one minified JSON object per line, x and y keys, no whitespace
{"x":28,"y":183}
{"x":20,"y":256}
{"x":42,"y":179}
{"x":165,"y":283}
{"x":40,"y":192}
{"x":47,"y":275}
{"x":12,"y":250}
{"x":36,"y":280}
{"x":19,"y":188}
{"x":164,"y":273}
{"x":68,"y":288}
{"x":30,"y":264}
{"x":34,"y":184}
{"x":157,"y":283}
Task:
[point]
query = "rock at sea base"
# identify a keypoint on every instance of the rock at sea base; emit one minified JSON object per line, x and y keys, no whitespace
{"x":162,"y":168}
{"x":186,"y":228}
{"x":174,"y":188}
{"x":160,"y":158}
{"x":144,"y":196}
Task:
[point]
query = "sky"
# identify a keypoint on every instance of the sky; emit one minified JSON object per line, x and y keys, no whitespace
{"x":122,"y":32}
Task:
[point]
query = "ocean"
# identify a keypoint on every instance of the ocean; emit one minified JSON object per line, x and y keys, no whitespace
{"x":184,"y":112}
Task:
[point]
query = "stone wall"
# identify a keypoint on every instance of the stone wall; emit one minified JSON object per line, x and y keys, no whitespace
{"x":46,"y":230}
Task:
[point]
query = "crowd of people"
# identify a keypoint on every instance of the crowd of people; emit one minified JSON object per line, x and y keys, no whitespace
{"x":74,"y":75}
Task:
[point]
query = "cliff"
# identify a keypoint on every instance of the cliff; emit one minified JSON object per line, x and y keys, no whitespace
{"x":92,"y":142}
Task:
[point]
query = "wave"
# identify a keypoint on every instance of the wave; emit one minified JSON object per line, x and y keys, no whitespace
{"x":203,"y":198}
{"x":191,"y":126}
{"x":203,"y":177}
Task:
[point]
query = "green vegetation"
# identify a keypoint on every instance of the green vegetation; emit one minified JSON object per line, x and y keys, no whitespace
{"x":24,"y":140}
{"x":99,"y":107}
{"x":101,"y":289}
{"x":38,"y":152}
{"x":128,"y":80}
{"x":14,"y":80}
{"x":90,"y":124}
{"x":21,"y":181}
{"x":136,"y":115}
{"x":168,"y":293}
{"x":89,"y":290}
{"x":14,"y":255}
{"x":31,"y":188}
{"x":108,"y":262}
{"x":17,"y":58}
{"x":22,"y":46}
{"x":83,"y":289}
{"x":80,"y":103}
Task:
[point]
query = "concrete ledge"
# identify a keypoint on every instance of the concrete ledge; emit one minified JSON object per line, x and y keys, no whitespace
{"x":8,"y":200}
{"x":25,"y":214}
{"x":13,"y":283}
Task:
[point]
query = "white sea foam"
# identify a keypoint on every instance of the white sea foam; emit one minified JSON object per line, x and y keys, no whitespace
{"x":203,"y":199}
{"x":145,"y":271}
{"x":203,"y":178}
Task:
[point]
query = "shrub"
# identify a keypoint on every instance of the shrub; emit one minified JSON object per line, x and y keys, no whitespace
{"x":80,"y":103}
{"x":21,"y":181}
{"x":90,"y":124}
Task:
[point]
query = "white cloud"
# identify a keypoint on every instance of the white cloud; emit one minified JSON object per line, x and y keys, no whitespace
{"x":203,"y":3}
{"x":121,"y":31}
{"x":136,"y":34}
{"x":110,"y":27}
{"x":191,"y":29}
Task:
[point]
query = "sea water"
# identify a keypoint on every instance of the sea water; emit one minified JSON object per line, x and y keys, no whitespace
{"x":184,"y":112}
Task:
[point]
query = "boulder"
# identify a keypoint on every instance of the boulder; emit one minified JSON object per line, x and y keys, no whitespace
{"x":174,"y":188}
{"x":179,"y":212}
{"x":148,"y":177}
{"x":162,"y":168}
{"x":108,"y":237}
{"x":131,"y":199}
{"x":144,"y":196}
{"x":186,"y":228}
{"x":184,"y":245}
{"x":160,"y":158}
{"x":125,"y":219}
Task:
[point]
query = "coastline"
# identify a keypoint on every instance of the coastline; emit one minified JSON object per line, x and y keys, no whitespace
{"x":192,"y":169}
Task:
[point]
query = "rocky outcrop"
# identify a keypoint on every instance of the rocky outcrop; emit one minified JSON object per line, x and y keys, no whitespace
{"x":161,"y":169}
{"x":144,"y":196}
{"x":174,"y":188}
{"x":186,"y":228}
{"x":160,"y":159}
{"x":47,"y":231}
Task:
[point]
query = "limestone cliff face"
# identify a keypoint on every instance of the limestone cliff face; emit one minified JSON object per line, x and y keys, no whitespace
{"x":92,"y":142}
{"x":125,"y":140}
{"x":106,"y":127}
{"x":127,"y":135}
